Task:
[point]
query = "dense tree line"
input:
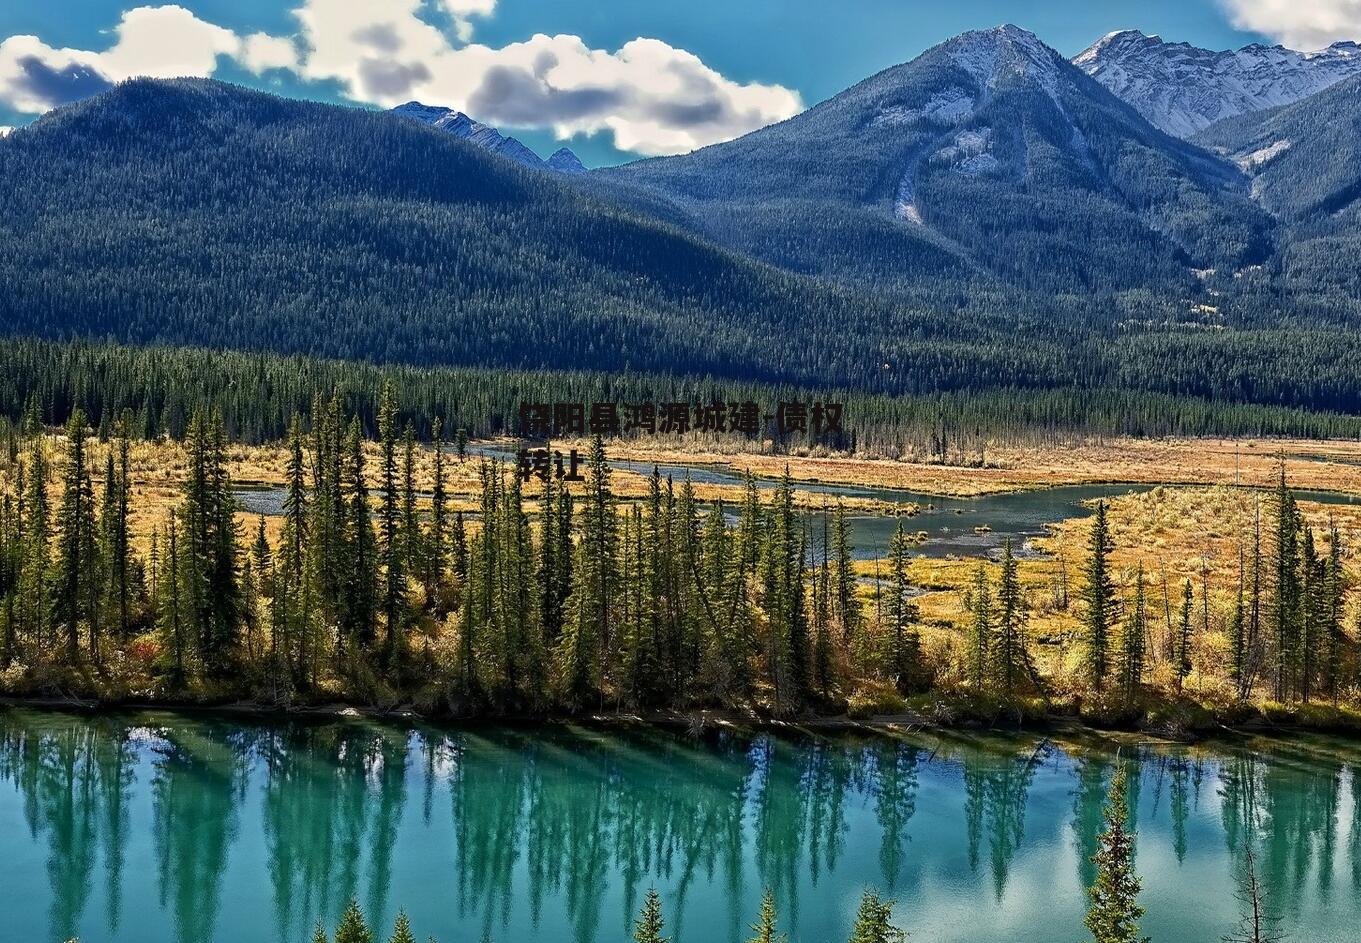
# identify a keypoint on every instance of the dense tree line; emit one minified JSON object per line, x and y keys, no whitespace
{"x":556,"y":598}
{"x":581,"y":602}
{"x":156,"y":391}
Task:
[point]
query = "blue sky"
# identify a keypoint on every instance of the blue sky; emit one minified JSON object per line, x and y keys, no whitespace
{"x":705,"y":69}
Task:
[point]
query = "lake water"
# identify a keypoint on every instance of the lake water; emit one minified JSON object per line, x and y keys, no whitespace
{"x":146,"y":827}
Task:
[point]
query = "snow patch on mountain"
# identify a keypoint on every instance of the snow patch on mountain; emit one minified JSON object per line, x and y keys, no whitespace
{"x":487,"y":137}
{"x":1255,"y":160}
{"x":1183,"y":89}
{"x":945,"y":108}
{"x":993,"y":56}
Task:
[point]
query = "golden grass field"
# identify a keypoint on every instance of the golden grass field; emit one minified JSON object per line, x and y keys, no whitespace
{"x":1190,"y":528}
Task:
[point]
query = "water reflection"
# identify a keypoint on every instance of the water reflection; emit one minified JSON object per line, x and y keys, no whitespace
{"x":154,"y":827}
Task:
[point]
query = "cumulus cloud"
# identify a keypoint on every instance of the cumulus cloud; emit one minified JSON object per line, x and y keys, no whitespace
{"x":653,"y":98}
{"x":261,"y":52}
{"x":1300,"y":25}
{"x":650,"y":96}
{"x":160,"y":42}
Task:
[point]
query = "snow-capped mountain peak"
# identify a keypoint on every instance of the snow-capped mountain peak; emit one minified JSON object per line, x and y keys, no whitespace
{"x":1184,"y":89}
{"x":991,"y":56}
{"x":487,"y":137}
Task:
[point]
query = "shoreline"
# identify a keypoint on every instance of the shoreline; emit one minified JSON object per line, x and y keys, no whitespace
{"x":698,"y":721}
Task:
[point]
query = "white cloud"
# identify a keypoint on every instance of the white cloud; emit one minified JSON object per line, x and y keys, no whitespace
{"x":652,"y":97}
{"x":166,"y":42}
{"x":261,"y":52}
{"x":5,"y":129}
{"x":160,"y":42}
{"x":1299,"y":24}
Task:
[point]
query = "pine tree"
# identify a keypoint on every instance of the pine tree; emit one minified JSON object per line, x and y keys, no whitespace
{"x":319,"y":934}
{"x":293,"y":596}
{"x":874,"y":921}
{"x":649,"y":926}
{"x":584,"y":648}
{"x":1113,"y":916}
{"x":1133,"y":641}
{"x":980,"y":627}
{"x":763,"y":929}
{"x":352,"y":927}
{"x":902,"y":615}
{"x":437,"y":538}
{"x":1182,"y":661}
{"x":73,"y":585}
{"x":1099,"y":596}
{"x":846,"y":605}
{"x":34,"y":538}
{"x":1285,"y":607}
{"x":1010,"y":660}
{"x":1335,"y":588}
{"x":391,"y":550}
{"x":401,"y":929}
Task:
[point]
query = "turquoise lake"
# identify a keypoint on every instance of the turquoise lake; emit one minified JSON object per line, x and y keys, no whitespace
{"x":152,"y":826}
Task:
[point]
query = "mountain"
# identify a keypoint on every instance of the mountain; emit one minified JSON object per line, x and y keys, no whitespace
{"x":1183,"y":89}
{"x":1305,"y":163}
{"x":485,"y":136}
{"x":195,"y":212}
{"x":988,"y":160}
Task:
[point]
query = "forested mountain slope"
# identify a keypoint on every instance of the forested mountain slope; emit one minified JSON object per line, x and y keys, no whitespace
{"x":989,"y":155}
{"x":1305,"y":164}
{"x":195,"y":212}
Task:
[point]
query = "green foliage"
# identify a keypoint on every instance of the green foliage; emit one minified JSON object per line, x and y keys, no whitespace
{"x":1099,"y":597}
{"x":1113,"y":916}
{"x":874,"y":921}
{"x":649,"y":926}
{"x":352,"y":928}
{"x":401,"y":930}
{"x":763,"y":930}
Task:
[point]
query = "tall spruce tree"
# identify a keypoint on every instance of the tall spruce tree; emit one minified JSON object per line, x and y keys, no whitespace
{"x":1134,"y":640}
{"x":649,"y":926}
{"x":874,"y":921}
{"x":1114,"y":914}
{"x":980,"y":627}
{"x":1010,"y":659}
{"x":74,"y":584}
{"x":1099,"y":596}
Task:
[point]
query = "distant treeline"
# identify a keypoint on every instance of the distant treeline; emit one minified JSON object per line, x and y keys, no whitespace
{"x":157,"y":389}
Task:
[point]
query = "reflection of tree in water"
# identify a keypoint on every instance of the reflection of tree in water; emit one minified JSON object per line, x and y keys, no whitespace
{"x":587,"y":819}
{"x":332,"y":792}
{"x":196,"y":791}
{"x":1089,"y":796}
{"x":74,"y":776}
{"x":895,"y":800}
{"x":996,"y":788}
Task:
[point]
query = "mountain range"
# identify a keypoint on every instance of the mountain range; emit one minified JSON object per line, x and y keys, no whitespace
{"x":990,"y":213}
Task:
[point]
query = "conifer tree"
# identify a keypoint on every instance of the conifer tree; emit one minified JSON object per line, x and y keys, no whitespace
{"x":34,"y":537}
{"x":1182,"y":661}
{"x":73,"y":585}
{"x":401,"y":929}
{"x":357,"y":549}
{"x":293,"y":596}
{"x":874,"y":921}
{"x":319,"y":933}
{"x":584,"y":647}
{"x":648,"y":928}
{"x":980,"y":627}
{"x":1113,"y":916}
{"x":902,"y":615}
{"x":437,"y":538}
{"x":1010,"y":660}
{"x":846,"y":605}
{"x":763,"y":930}
{"x":391,"y":550}
{"x":1099,"y":596}
{"x":1285,"y":604}
{"x":1133,"y":641}
{"x":352,"y":928}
